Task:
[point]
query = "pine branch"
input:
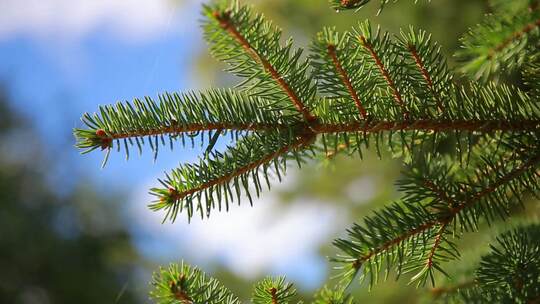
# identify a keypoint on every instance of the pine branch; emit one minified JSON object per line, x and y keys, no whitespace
{"x":409,"y":234}
{"x":183,"y":284}
{"x":251,"y":46}
{"x":501,"y":43}
{"x":354,"y":89}
{"x":214,"y":178}
{"x":510,"y":273}
{"x":379,"y":81}
{"x":346,"y":81}
{"x":431,"y":66}
{"x":176,"y":116}
{"x":365,"y":37}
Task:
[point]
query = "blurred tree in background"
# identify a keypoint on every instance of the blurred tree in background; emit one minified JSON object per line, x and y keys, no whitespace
{"x":56,"y":248}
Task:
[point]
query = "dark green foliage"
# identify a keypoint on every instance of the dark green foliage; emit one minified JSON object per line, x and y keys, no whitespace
{"x":510,"y":273}
{"x":251,"y":46}
{"x":219,"y":178}
{"x":395,"y":92}
{"x":177,"y":117}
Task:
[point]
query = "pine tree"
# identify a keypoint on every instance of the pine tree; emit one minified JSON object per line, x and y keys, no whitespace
{"x":358,"y":90}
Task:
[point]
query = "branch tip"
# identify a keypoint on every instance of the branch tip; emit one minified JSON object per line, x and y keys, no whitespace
{"x":105,"y":141}
{"x":425,"y":74}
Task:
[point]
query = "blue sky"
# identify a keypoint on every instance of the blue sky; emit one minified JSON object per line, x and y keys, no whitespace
{"x":60,"y":58}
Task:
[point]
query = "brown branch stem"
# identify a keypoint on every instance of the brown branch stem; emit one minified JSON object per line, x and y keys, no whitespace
{"x":374,"y":126}
{"x":346,"y":81}
{"x":299,"y":143}
{"x":190,"y":128}
{"x":371,"y":126}
{"x":436,"y":244}
{"x":358,"y":262}
{"x":179,"y":293}
{"x":386,"y":75}
{"x":273,"y":293}
{"x":425,"y":74}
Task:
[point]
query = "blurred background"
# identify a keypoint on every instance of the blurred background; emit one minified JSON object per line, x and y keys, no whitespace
{"x":71,"y":232}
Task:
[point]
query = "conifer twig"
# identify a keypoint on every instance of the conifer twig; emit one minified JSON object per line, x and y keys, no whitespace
{"x":345,"y":78}
{"x":425,"y":74}
{"x":453,"y":212}
{"x":225,"y":22}
{"x":386,"y":75}
{"x":515,"y":36}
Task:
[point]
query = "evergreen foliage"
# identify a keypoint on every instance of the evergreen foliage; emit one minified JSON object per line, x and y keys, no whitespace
{"x":503,"y":41}
{"x":356,"y":90}
{"x":508,"y":274}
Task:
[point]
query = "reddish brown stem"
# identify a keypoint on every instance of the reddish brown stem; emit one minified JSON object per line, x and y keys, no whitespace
{"x":386,"y":75}
{"x":179,"y":293}
{"x":358,"y":262}
{"x":438,"y":239}
{"x":225,"y":22}
{"x":515,"y":36}
{"x":431,"y":125}
{"x":301,"y":142}
{"x":182,"y":297}
{"x":440,"y":193}
{"x":273,"y":293}
{"x":425,"y":74}
{"x":346,"y":81}
{"x":177,"y":129}
{"x":372,"y":126}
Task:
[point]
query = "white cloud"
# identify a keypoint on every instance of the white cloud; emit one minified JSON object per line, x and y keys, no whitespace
{"x":131,"y":19}
{"x":250,"y":241}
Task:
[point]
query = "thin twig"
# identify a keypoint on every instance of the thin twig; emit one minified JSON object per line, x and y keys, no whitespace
{"x":346,"y":81}
{"x":225,"y":22}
